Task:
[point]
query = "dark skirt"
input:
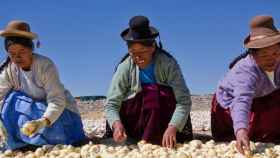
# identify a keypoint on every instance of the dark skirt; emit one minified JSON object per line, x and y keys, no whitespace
{"x":146,"y":116}
{"x":264,"y":120}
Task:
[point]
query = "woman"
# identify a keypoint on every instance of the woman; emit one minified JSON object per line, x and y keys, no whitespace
{"x":35,"y":107}
{"x":246,"y":106}
{"x":148,"y":98}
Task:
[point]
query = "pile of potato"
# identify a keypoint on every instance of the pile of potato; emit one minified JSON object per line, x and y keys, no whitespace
{"x":193,"y":149}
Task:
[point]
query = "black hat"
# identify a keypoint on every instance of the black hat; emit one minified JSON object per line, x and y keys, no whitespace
{"x":139,"y":30}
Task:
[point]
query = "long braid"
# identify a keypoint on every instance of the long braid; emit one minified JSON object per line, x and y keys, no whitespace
{"x":165,"y":52}
{"x":122,"y":59}
{"x":241,"y":56}
{"x":4,"y":64}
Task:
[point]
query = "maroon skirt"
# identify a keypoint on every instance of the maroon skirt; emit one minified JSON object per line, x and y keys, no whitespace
{"x":264,"y":120}
{"x":146,"y":116}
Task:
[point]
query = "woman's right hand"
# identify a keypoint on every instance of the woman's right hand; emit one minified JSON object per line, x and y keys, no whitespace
{"x":242,"y":140}
{"x":119,"y":134}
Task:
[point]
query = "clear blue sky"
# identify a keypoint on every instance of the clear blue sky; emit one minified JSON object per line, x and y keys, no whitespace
{"x":82,"y":36}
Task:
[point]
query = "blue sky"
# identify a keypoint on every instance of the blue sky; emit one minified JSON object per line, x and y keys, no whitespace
{"x":82,"y":37}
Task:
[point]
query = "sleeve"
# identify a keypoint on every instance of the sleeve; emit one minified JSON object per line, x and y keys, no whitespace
{"x":244,"y":84}
{"x":176,"y":80}
{"x":55,"y":92}
{"x":117,"y":91}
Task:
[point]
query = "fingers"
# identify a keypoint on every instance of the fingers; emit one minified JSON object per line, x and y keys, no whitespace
{"x":119,"y":136}
{"x":247,"y":145}
{"x":243,"y":143}
{"x":169,"y":141}
{"x":124,"y":135}
{"x":169,"y":137}
{"x":116,"y":135}
{"x":164,"y":144}
{"x":174,"y":141}
{"x":32,"y":128}
{"x":25,"y":129}
{"x":165,"y":141}
{"x":29,"y":129}
{"x":242,"y":140}
{"x":239,"y":147}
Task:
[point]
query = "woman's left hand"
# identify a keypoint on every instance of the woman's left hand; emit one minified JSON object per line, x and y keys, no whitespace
{"x":32,"y":127}
{"x":169,"y":137}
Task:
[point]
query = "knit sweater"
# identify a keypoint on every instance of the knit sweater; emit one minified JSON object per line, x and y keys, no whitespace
{"x":43,"y":77}
{"x":241,"y":84}
{"x":126,"y":84}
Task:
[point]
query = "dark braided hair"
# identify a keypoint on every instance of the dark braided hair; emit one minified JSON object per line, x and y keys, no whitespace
{"x":4,"y":64}
{"x":241,"y":56}
{"x":26,"y":42}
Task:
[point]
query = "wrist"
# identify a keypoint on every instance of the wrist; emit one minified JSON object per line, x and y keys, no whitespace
{"x":116,"y":124}
{"x":45,"y":121}
{"x":242,"y":130}
{"x":172,"y":126}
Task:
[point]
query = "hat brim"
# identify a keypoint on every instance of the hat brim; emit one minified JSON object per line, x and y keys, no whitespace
{"x":17,"y":33}
{"x":262,"y":43}
{"x":127,"y":36}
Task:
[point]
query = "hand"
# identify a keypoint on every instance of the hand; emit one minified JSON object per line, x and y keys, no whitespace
{"x":242,"y":139}
{"x":34,"y":126}
{"x":119,"y":134}
{"x":169,"y":137}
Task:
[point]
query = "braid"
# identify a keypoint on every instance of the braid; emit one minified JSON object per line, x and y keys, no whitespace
{"x":161,"y":50}
{"x":4,"y":64}
{"x":122,"y":59}
{"x":241,"y":56}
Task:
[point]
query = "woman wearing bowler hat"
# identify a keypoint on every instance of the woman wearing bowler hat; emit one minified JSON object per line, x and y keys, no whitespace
{"x":36,"y":109}
{"x":247,"y":101}
{"x":148,"y":98}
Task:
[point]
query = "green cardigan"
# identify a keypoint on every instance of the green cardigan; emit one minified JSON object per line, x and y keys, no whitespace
{"x":126,"y":84}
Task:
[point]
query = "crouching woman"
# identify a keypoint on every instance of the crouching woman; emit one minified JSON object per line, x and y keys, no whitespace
{"x":247,"y":102}
{"x":35,"y":107}
{"x":148,"y":98}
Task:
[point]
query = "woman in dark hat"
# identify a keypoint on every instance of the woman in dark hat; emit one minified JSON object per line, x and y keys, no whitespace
{"x":148,"y":98}
{"x":36,"y":109}
{"x":247,"y":102}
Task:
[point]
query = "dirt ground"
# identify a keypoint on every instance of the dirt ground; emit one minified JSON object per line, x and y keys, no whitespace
{"x":93,"y":113}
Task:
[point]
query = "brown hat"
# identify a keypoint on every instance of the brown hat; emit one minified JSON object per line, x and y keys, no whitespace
{"x":18,"y":29}
{"x":263,"y":33}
